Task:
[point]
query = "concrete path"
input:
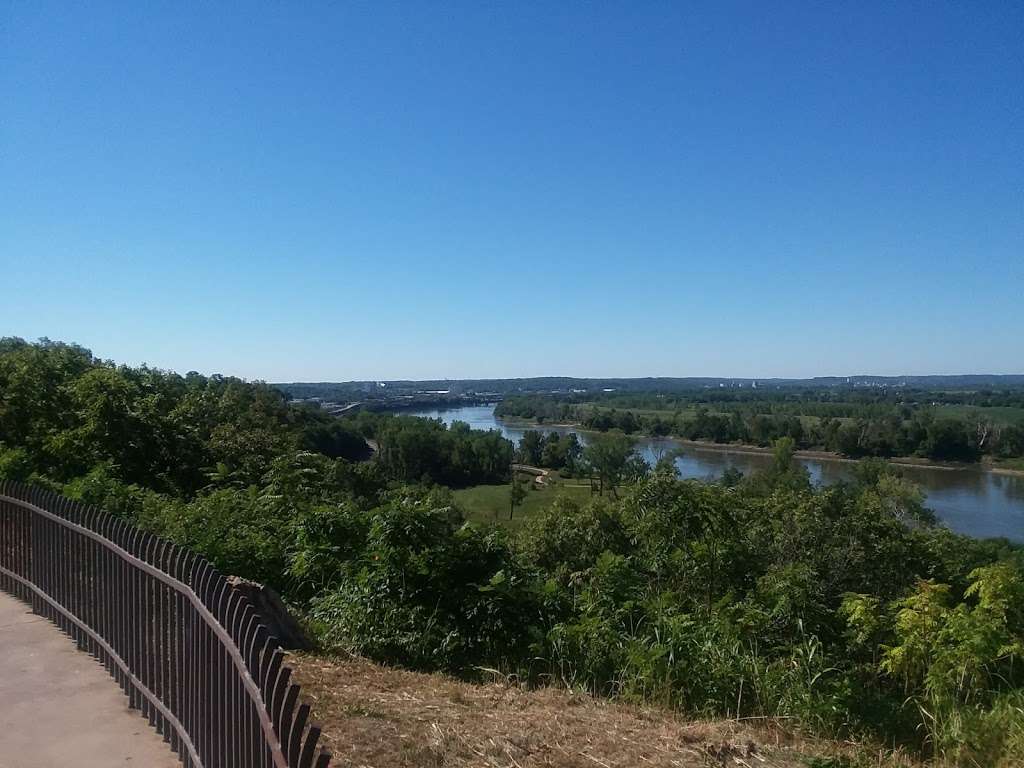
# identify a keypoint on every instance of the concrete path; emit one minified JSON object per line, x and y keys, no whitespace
{"x":59,"y":707}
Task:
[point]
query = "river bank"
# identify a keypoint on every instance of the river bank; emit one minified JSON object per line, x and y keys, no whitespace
{"x":985,"y":465}
{"x":966,"y":497}
{"x":909,"y":461}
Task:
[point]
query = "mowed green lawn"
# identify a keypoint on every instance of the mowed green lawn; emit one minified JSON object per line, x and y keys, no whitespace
{"x":489,"y":503}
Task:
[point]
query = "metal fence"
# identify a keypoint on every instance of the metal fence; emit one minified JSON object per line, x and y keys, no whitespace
{"x":187,"y":649}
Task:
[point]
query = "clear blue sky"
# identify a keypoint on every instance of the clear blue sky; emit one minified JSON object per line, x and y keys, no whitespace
{"x":304,"y":191}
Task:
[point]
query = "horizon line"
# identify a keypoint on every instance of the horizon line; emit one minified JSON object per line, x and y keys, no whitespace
{"x":669,"y":378}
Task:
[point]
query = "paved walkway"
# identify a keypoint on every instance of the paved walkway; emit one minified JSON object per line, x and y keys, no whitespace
{"x":59,"y":707}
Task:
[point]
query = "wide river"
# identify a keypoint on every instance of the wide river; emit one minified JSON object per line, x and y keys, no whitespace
{"x":970,"y":501}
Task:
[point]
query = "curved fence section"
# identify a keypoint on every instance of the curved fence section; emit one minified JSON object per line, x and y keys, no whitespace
{"x":187,"y":649}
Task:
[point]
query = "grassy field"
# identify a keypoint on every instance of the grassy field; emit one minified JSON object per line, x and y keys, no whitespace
{"x":997,"y":415}
{"x":489,"y":503}
{"x":686,"y":411}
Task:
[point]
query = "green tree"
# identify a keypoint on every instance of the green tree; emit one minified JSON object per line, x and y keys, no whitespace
{"x":516,"y":495}
{"x":531,"y":446}
{"x":609,"y":456}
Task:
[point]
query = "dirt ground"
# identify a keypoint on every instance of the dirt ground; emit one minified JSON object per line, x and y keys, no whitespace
{"x":380,"y":717}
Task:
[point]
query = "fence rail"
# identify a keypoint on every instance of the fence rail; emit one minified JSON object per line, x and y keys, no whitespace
{"x":187,"y":648}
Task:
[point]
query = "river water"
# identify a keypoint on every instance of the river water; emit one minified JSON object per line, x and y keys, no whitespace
{"x":969,"y":501}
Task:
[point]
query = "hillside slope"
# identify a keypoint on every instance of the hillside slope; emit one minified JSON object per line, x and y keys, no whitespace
{"x":381,"y":717}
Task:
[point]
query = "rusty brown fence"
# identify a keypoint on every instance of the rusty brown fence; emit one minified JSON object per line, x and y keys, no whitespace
{"x":187,"y":649}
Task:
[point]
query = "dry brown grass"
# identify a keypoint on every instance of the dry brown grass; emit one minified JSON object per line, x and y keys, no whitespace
{"x":381,"y":717}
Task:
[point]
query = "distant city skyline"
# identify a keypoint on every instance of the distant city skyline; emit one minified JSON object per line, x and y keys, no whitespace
{"x":401,"y":191}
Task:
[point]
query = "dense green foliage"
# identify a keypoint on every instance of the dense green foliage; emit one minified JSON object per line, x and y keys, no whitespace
{"x":414,"y":449}
{"x":552,"y":450}
{"x":855,"y":423}
{"x":844,"y":609}
{"x":64,"y":413}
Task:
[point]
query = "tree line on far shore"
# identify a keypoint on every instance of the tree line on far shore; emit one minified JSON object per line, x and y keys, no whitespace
{"x":871,"y":429}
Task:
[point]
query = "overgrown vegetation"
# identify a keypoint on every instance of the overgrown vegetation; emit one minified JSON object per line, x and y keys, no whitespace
{"x":843,"y":610}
